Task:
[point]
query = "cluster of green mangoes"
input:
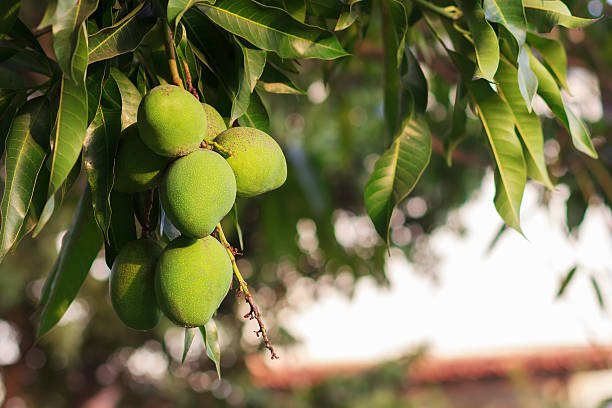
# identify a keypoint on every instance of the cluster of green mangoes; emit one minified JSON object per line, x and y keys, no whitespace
{"x":188,"y":278}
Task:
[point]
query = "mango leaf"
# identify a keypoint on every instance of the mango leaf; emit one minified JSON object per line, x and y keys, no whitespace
{"x":24,"y":159}
{"x":9,"y":10}
{"x":348,"y":15}
{"x":511,"y":174}
{"x":253,"y":64}
{"x":553,"y":54}
{"x":122,"y":228}
{"x":543,"y":15}
{"x":549,"y":91}
{"x":94,"y":83}
{"x":79,"y":248}
{"x":122,"y":37}
{"x":483,"y":36}
{"x":176,"y":9}
{"x":10,"y":102}
{"x":527,"y":123}
{"x":273,"y":80}
{"x":71,"y":121}
{"x":211,"y":341}
{"x":99,"y":149}
{"x":397,"y":172}
{"x":272,"y":29}
{"x":130,"y":97}
{"x":237,"y":226}
{"x":67,"y":21}
{"x":527,"y":79}
{"x":598,"y":293}
{"x":256,"y":115}
{"x":189,"y":334}
{"x":413,"y":98}
{"x":296,"y":9}
{"x":508,"y":13}
{"x":566,"y":281}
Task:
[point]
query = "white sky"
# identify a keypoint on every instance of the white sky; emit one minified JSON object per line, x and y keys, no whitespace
{"x":482,"y":303}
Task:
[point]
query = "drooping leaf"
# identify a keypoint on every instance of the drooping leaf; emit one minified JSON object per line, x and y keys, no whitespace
{"x":527,"y":79}
{"x":549,"y":91}
{"x":130,"y":97}
{"x":71,"y":121}
{"x":413,"y":98}
{"x":122,"y":37}
{"x":272,"y":29}
{"x":543,"y":15}
{"x":96,"y":78}
{"x":99,"y":149}
{"x":253,"y":64}
{"x":511,"y":173}
{"x":483,"y":36}
{"x":122,"y":226}
{"x":348,"y":15}
{"x":553,"y":55}
{"x":211,"y":340}
{"x":273,"y":80}
{"x":508,"y":13}
{"x":79,"y":248}
{"x":527,"y":123}
{"x":396,"y":172}
{"x":256,"y":115}
{"x":67,"y":21}
{"x":566,"y":281}
{"x":188,"y":340}
{"x":9,"y":10}
{"x":24,"y":159}
{"x":10,"y":102}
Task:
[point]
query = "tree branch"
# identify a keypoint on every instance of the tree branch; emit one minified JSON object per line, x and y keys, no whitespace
{"x":243,"y":287}
{"x":171,"y":53}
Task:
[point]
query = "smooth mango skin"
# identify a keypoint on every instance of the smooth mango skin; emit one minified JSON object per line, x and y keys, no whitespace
{"x":137,"y":168}
{"x":257,"y":160}
{"x":215,"y":121}
{"x":197,"y":192}
{"x":191,"y":279}
{"x":171,"y":121}
{"x":132,"y":284}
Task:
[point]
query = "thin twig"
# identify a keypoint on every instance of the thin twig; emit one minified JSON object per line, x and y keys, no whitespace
{"x":212,"y":145}
{"x":189,"y":81}
{"x":243,"y":287}
{"x":171,"y":54}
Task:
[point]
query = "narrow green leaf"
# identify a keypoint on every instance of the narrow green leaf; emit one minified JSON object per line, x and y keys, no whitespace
{"x":71,"y":121}
{"x":67,"y":21}
{"x":272,"y":29}
{"x":566,"y":281}
{"x":211,"y":341}
{"x":9,"y":10}
{"x":553,"y":54}
{"x":598,"y":293}
{"x":527,"y":123}
{"x":10,"y":102}
{"x":96,"y":78}
{"x":24,"y":160}
{"x":397,"y":172}
{"x":543,"y":15}
{"x":237,"y":226}
{"x":527,"y":79}
{"x":253,"y":64}
{"x":296,"y":9}
{"x":348,"y":15}
{"x":130,"y":97}
{"x":256,"y":115}
{"x":122,"y":227}
{"x":99,"y":149}
{"x":189,"y":334}
{"x":511,"y":173}
{"x":549,"y":91}
{"x":122,"y":37}
{"x":483,"y":37}
{"x":79,"y":249}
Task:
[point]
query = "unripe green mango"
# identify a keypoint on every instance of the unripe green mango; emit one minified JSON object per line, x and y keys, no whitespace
{"x":215,"y":121}
{"x":171,"y":121}
{"x":137,"y":168}
{"x":197,"y":192}
{"x":191,"y":279}
{"x":257,"y":160}
{"x":132,"y":284}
